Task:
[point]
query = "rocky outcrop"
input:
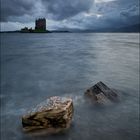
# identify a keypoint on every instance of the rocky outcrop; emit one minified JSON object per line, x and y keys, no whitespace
{"x":54,"y":113}
{"x":101,"y":93}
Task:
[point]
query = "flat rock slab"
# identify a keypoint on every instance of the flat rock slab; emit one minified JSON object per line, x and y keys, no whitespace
{"x":54,"y":113}
{"x":101,"y":93}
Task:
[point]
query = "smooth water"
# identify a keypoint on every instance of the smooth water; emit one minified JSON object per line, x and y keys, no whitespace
{"x":36,"y":66}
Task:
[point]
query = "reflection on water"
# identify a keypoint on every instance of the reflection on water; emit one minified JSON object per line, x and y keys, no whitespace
{"x":36,"y":66}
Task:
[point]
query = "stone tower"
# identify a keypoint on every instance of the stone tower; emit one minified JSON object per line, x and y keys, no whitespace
{"x":40,"y":24}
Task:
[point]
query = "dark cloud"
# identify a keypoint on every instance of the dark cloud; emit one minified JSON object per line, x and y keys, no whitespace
{"x":13,"y":8}
{"x":116,"y":13}
{"x":63,"y":9}
{"x":56,"y":9}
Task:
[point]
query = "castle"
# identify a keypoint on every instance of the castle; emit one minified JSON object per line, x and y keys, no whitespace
{"x":40,"y":27}
{"x":40,"y":24}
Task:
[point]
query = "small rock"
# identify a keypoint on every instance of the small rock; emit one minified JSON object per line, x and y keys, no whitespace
{"x":54,"y":113}
{"x":101,"y":93}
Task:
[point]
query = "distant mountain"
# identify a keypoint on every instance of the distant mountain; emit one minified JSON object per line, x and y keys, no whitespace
{"x":132,"y":28}
{"x":129,"y":29}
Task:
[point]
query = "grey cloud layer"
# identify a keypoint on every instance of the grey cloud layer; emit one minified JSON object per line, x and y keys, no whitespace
{"x":56,"y":9}
{"x":120,"y":11}
{"x":112,"y":14}
{"x":117,"y":12}
{"x":62,"y":9}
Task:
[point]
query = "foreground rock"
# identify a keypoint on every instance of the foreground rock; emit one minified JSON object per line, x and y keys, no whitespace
{"x":54,"y":113}
{"x":101,"y":93}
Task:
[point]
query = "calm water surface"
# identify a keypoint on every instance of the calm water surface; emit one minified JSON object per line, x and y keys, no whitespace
{"x":37,"y":66}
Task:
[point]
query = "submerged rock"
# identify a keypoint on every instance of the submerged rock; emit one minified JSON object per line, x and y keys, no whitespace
{"x":54,"y":113}
{"x":101,"y":93}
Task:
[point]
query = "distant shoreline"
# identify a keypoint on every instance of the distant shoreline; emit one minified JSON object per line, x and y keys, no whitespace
{"x":129,"y":29}
{"x":35,"y":32}
{"x":70,"y":32}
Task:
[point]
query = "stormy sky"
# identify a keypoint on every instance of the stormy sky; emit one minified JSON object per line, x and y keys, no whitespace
{"x":69,"y":14}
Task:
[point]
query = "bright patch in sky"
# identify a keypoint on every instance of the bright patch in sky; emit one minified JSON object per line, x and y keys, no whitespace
{"x":92,"y":14}
{"x":98,"y":15}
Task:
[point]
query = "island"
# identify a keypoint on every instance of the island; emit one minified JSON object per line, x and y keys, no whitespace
{"x":40,"y":27}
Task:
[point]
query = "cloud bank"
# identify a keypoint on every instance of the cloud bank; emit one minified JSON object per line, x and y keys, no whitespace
{"x":72,"y":14}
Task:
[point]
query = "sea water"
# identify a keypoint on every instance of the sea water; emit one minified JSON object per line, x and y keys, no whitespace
{"x":37,"y":66}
